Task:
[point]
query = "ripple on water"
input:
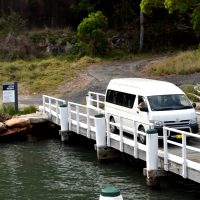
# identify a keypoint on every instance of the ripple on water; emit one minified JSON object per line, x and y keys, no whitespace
{"x":48,"y":170}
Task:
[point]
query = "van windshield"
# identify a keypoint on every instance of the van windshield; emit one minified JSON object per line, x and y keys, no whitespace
{"x":169,"y":102}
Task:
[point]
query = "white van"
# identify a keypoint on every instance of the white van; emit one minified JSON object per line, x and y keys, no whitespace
{"x":152,"y":101}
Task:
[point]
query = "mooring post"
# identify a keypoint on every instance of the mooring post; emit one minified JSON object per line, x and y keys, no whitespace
{"x":152,"y":158}
{"x":103,"y":152}
{"x":100,"y":126}
{"x":64,"y":122}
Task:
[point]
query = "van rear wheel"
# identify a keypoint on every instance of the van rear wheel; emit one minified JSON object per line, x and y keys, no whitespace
{"x":113,"y":129}
{"x":142,"y":138}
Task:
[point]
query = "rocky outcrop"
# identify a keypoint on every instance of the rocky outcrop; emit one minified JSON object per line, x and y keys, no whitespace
{"x":17,"y":122}
{"x":2,"y":127}
{"x":21,"y":124}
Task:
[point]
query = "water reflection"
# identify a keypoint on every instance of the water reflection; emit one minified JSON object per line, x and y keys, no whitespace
{"x":48,"y":170}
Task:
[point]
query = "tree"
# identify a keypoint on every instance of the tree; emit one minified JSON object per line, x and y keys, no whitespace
{"x":12,"y":24}
{"x":91,"y":33}
{"x":191,"y":7}
{"x":141,"y":30}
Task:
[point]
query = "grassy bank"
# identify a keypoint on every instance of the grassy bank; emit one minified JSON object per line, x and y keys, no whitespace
{"x":183,"y":63}
{"x":39,"y":75}
{"x":45,"y":75}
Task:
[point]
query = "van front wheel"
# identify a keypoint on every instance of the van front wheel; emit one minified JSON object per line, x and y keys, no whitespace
{"x":142,"y":138}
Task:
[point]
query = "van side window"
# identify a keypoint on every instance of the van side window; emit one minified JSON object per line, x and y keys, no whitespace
{"x":120,"y":98}
{"x":142,"y":104}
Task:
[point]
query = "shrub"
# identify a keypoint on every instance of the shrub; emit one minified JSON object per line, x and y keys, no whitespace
{"x":28,"y":110}
{"x":91,"y":33}
{"x":14,"y":47}
{"x":7,"y":111}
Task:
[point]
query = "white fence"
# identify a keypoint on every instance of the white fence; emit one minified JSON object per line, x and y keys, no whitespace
{"x":51,"y":106}
{"x":82,"y":116}
{"x":182,"y":158}
{"x":95,"y":100}
{"x":127,"y":135}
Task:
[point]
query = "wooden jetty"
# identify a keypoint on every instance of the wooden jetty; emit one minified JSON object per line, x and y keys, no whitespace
{"x":90,"y":120}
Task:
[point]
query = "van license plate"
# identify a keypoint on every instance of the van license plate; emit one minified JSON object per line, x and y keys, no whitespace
{"x":178,"y":136}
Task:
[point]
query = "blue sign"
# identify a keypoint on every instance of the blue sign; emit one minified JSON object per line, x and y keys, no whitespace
{"x":10,"y":94}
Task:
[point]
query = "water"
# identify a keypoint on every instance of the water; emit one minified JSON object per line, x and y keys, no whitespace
{"x":49,"y":170}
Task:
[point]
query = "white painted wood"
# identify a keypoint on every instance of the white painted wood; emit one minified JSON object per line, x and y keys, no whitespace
{"x":152,"y":151}
{"x":121,"y":134}
{"x":100,"y":129}
{"x":81,"y":120}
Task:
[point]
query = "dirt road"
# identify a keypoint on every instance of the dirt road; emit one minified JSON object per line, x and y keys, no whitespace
{"x":96,"y":77}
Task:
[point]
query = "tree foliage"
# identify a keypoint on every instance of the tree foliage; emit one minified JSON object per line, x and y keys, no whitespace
{"x":91,"y":33}
{"x":12,"y":24}
{"x":192,"y":7}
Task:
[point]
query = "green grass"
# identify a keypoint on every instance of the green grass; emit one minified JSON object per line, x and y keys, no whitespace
{"x":45,"y":75}
{"x":42,"y":75}
{"x":7,"y":111}
{"x":183,"y":63}
{"x":191,"y":92}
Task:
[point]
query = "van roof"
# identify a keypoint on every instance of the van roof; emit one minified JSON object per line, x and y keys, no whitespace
{"x":148,"y":86}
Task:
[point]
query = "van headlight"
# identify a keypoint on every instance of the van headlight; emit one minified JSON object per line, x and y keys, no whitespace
{"x":157,"y":123}
{"x":193,"y":121}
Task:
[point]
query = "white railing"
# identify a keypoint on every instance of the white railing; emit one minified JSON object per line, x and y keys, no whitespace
{"x":182,"y":158}
{"x":51,"y":106}
{"x":131,"y":137}
{"x":96,"y":99}
{"x":82,"y":116}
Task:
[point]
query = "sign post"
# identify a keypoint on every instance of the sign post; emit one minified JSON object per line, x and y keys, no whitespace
{"x":10,"y":94}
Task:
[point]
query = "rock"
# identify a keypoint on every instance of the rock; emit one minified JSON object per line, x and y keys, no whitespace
{"x":15,"y":131}
{"x":35,"y":118}
{"x":2,"y":127}
{"x":17,"y":122}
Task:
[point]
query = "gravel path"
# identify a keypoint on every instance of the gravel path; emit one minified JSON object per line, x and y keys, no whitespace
{"x":96,"y":77}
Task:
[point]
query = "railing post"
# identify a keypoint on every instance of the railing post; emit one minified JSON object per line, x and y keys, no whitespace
{"x":49,"y":107}
{"x":87,"y":100}
{"x":64,"y":122}
{"x":152,"y":158}
{"x":184,"y":157}
{"x":97,"y":95}
{"x":90,"y":99}
{"x":57,"y":112}
{"x":70,"y":116}
{"x":77,"y":119}
{"x":135,"y":139}
{"x":88,"y":122}
{"x":121,"y":142}
{"x":166,"y":164}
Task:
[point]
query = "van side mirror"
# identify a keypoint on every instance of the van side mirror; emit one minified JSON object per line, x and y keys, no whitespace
{"x":194,"y":105}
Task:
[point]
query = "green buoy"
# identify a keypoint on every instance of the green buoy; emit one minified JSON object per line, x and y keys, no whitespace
{"x":110,"y":193}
